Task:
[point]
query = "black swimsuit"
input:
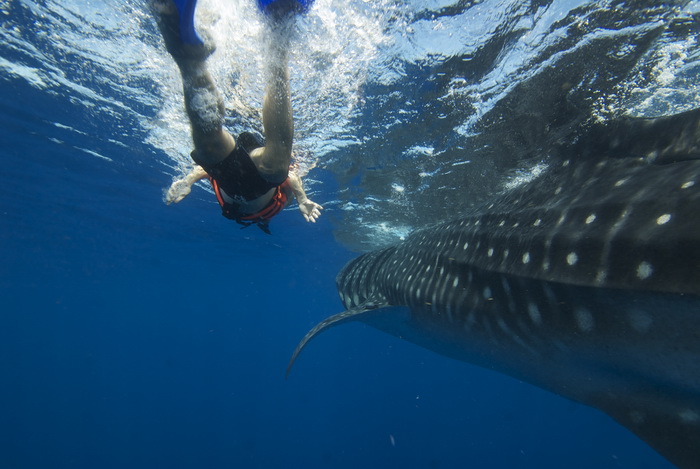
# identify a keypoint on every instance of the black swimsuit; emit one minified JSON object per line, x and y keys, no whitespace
{"x":236,"y":178}
{"x":236,"y":174}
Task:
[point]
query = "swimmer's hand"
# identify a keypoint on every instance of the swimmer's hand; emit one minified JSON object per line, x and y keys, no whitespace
{"x":311,"y":210}
{"x":178,"y":191}
{"x":182,"y":187}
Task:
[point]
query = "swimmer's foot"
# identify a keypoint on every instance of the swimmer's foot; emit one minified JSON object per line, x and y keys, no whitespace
{"x":181,"y":41}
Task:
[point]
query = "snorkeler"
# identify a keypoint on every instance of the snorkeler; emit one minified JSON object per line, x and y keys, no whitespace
{"x":252,"y":182}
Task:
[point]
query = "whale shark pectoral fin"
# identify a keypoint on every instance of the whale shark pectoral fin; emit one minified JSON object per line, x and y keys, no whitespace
{"x":370,"y":306}
{"x":669,"y":422}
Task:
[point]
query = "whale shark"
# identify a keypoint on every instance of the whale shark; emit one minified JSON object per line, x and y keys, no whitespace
{"x":584,"y":281}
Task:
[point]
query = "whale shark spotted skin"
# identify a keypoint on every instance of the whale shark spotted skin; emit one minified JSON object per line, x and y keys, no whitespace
{"x":585,"y":282}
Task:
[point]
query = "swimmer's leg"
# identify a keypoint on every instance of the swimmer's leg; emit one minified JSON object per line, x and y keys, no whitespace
{"x":203,"y":102}
{"x":273,"y":160}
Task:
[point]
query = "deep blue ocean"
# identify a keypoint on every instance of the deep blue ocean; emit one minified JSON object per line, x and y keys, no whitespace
{"x":139,"y":335}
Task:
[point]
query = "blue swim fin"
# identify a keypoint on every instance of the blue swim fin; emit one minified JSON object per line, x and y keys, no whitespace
{"x":284,"y":7}
{"x":188,"y":34}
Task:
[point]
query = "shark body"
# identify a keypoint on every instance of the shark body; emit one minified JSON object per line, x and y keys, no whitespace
{"x":585,"y":282}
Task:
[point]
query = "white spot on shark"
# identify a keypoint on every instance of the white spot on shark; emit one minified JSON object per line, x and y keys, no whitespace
{"x":601,"y":276}
{"x":469,"y":322}
{"x":689,"y":416}
{"x":663,"y":219}
{"x":506,"y":285}
{"x":526,"y":258}
{"x":572,"y":258}
{"x":584,"y":320}
{"x":534,"y":313}
{"x":688,"y":184}
{"x":644,"y":270}
{"x":637,"y":417}
{"x":590,"y":219}
{"x":639,"y":320}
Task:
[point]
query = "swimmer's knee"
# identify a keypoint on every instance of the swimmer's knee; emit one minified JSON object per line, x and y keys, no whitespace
{"x":273,"y":162}
{"x":210,"y":149}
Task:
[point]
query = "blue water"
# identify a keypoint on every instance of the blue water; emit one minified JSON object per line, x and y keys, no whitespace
{"x":135,"y":334}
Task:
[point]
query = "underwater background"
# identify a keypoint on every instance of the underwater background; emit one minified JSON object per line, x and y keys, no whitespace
{"x":135,"y":334}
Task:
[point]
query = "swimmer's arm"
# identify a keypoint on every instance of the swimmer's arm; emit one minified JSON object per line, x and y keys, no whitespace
{"x":182,"y":187}
{"x":309,"y":209}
